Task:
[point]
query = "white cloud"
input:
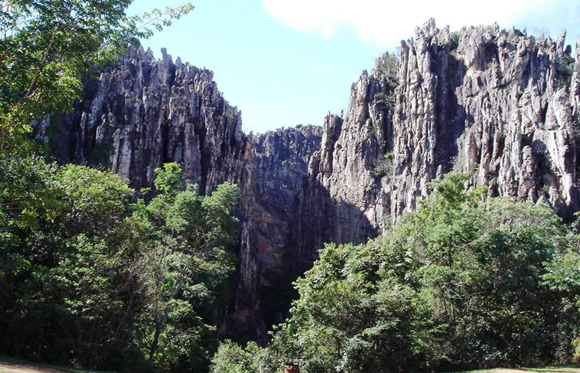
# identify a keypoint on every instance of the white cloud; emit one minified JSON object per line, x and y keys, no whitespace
{"x":323,"y":68}
{"x":385,"y":22}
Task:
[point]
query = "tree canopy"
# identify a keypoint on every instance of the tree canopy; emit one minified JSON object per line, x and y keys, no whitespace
{"x":89,"y":278}
{"x":48,"y":46}
{"x":462,"y":283}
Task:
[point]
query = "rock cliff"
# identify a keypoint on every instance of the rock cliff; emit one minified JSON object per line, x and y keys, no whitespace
{"x":498,"y":103}
{"x":144,"y":112}
{"x":495,"y":102}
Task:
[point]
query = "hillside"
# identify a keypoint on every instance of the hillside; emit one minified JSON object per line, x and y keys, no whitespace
{"x":500,"y":103}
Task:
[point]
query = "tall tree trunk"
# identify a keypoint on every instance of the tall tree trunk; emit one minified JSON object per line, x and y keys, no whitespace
{"x":159,"y":327}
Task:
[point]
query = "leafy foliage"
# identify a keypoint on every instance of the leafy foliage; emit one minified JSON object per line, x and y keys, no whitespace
{"x":384,"y":166}
{"x":47,"y":46}
{"x":185,"y":267}
{"x":231,"y":358}
{"x":461,"y":283}
{"x":64,"y":259}
{"x":87,"y":278}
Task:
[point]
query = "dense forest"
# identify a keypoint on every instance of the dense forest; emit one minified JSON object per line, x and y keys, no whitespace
{"x":96,"y":274}
{"x":462,"y":283}
{"x":92,"y":279}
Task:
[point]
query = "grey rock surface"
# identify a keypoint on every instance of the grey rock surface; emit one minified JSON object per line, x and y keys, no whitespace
{"x":498,"y":103}
{"x":490,"y":101}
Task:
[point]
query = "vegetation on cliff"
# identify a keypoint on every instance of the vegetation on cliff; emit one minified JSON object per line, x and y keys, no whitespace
{"x":463,"y":282}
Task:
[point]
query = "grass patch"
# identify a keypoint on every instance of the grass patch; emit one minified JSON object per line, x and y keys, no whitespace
{"x":546,"y":369}
{"x":28,"y":364}
{"x":564,"y":368}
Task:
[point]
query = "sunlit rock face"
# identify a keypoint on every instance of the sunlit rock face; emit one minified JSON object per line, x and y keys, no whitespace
{"x":491,"y":101}
{"x":144,"y":112}
{"x":500,"y":104}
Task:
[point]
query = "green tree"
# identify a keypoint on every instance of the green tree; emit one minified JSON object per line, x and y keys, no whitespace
{"x":47,"y":47}
{"x":65,"y":259}
{"x":186,"y":265}
{"x":563,"y":276}
{"x":463,"y":282}
{"x":356,"y":314}
{"x":232,"y":358}
{"x":87,"y":278}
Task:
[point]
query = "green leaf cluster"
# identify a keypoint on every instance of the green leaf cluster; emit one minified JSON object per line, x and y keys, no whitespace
{"x":462,"y":283}
{"x":232,"y":358}
{"x":48,"y":46}
{"x":88,"y":278}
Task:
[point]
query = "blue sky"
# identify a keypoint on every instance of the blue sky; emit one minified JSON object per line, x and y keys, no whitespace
{"x":288,"y":62}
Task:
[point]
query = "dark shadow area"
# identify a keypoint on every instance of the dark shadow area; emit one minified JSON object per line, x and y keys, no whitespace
{"x":290,"y":219}
{"x":450,"y":116}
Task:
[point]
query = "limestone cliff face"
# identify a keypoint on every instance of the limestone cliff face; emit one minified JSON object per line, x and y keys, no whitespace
{"x":499,"y":103}
{"x":280,"y":228}
{"x":354,"y":164}
{"x":144,"y":112}
{"x":493,"y":101}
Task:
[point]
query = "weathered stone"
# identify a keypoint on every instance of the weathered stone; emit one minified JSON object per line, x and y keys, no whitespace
{"x":490,"y":101}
